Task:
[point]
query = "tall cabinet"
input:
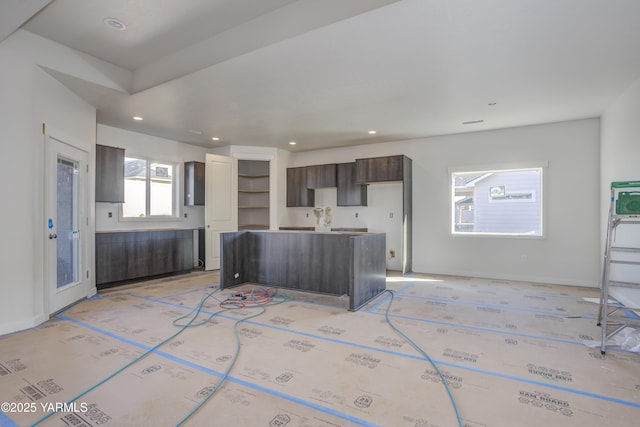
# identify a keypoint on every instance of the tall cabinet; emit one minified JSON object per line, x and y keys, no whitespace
{"x":393,"y":168}
{"x":253,"y":195}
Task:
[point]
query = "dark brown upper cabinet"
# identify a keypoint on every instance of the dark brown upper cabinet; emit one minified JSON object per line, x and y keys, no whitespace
{"x":109,"y":174}
{"x":298,"y":194}
{"x":321,"y":176}
{"x":349,"y":193}
{"x":194,"y":184}
{"x":378,"y":169}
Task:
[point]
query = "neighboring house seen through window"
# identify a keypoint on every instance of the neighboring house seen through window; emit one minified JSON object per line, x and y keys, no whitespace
{"x":149,"y":188}
{"x":500,"y":202}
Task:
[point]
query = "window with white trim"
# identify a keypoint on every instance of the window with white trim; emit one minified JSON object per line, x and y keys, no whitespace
{"x":497,"y":202}
{"x":149,"y":189}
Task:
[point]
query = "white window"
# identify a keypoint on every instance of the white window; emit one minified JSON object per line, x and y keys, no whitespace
{"x":497,"y":202}
{"x":149,"y":189}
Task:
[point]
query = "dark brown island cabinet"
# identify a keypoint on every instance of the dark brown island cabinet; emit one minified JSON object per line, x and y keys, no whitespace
{"x":340,"y":264}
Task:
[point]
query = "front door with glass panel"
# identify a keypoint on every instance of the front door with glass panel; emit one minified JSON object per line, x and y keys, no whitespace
{"x":66,"y":224}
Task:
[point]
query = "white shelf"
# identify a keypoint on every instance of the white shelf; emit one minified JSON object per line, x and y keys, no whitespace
{"x":253,"y":194}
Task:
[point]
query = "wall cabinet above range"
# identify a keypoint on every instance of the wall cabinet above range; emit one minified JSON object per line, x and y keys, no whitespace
{"x":379,"y":169}
{"x":321,"y":176}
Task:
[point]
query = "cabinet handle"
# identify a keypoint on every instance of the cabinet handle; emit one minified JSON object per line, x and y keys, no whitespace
{"x":52,"y":236}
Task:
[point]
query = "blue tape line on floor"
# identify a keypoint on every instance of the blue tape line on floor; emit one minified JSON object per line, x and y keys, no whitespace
{"x":454,"y":365}
{"x":419,"y":319}
{"x":5,"y":421}
{"x":219,"y":374}
{"x":406,"y":287}
{"x":444,"y":363}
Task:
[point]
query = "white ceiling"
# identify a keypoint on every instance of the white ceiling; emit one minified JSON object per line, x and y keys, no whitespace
{"x":324,"y":72}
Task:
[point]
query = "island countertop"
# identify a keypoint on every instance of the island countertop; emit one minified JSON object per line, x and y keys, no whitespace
{"x":337,"y":263}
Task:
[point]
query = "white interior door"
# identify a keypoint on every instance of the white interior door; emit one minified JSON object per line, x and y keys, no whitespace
{"x":221,"y":204}
{"x":66,"y":236}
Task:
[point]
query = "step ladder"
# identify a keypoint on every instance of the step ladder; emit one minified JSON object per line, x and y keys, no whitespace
{"x":620,"y":287}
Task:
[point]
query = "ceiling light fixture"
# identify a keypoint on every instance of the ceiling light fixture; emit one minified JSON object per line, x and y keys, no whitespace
{"x":195,"y":132}
{"x":114,"y":24}
{"x":215,"y":138}
{"x":372,"y":132}
{"x":137,"y":118}
{"x":473,"y":122}
{"x":292,"y":143}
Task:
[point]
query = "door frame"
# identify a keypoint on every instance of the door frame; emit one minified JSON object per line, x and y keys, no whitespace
{"x":53,"y":142}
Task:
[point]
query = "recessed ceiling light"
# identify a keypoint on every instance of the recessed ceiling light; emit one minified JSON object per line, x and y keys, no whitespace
{"x":372,"y":132}
{"x":473,"y":122}
{"x":195,"y":132}
{"x":292,"y":143}
{"x":215,"y":138}
{"x":114,"y":23}
{"x":137,"y":118}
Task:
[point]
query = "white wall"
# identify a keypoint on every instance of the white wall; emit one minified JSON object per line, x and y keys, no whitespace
{"x":137,"y":144}
{"x":620,"y":161}
{"x":568,"y":253}
{"x":620,"y":142}
{"x":29,"y":98}
{"x":620,"y":136}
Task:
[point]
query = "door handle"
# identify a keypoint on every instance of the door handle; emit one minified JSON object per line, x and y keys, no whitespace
{"x":53,"y":236}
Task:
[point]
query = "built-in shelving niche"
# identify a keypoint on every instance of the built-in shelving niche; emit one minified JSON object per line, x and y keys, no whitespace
{"x":253,"y":195}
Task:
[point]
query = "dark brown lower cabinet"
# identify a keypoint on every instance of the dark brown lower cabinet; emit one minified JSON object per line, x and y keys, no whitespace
{"x":331,"y":263}
{"x":130,"y":255}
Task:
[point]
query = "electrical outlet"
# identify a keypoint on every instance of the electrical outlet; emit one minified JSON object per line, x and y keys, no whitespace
{"x":110,"y":214}
{"x":392,"y":253}
{"x":186,"y":215}
{"x":390,"y":214}
{"x":356,"y":214}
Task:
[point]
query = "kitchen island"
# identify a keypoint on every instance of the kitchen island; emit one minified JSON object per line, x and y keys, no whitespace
{"x":336,"y":263}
